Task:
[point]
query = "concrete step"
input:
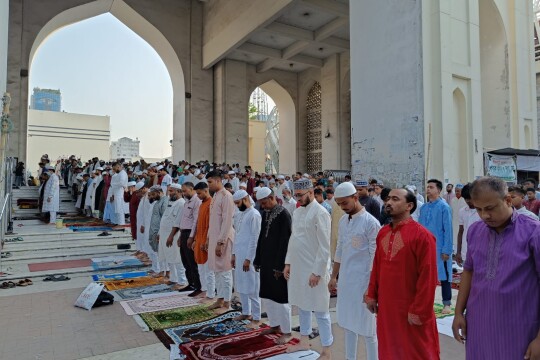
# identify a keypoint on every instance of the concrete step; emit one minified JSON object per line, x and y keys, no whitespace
{"x":64,"y":254}
{"x":105,"y":241}
{"x":36,"y":239}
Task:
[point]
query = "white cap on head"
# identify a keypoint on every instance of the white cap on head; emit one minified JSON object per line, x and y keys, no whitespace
{"x":197,"y":172}
{"x":176,"y":186}
{"x":256,"y":188}
{"x":263,"y":193}
{"x":244,"y":185}
{"x":239,"y":195}
{"x":152,"y":165}
{"x":99,"y":168}
{"x":306,"y":176}
{"x":345,"y":189}
{"x":231,"y":172}
{"x":281,"y":177}
{"x":160,"y":167}
{"x":139,"y":185}
{"x":411,"y":188}
{"x":131,"y":183}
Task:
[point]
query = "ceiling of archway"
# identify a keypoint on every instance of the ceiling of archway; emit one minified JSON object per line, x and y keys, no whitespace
{"x":302,"y":36}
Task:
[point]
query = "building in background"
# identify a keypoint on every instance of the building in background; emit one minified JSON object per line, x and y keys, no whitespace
{"x":61,"y":134}
{"x":46,"y":99}
{"x":125,"y":148}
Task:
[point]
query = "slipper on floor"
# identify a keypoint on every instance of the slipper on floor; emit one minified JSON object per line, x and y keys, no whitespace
{"x":296,"y":328}
{"x":4,"y":285}
{"x":314,"y":334}
{"x":104,"y":234}
{"x":28,"y":282}
{"x":22,"y":283}
{"x":60,"y":278}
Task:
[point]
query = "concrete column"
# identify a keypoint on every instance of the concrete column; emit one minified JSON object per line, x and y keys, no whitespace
{"x":4,"y":21}
{"x":231,"y":131}
{"x":330,"y":113}
{"x":387,"y":118}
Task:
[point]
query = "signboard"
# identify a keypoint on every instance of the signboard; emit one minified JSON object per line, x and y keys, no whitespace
{"x":503,"y":167}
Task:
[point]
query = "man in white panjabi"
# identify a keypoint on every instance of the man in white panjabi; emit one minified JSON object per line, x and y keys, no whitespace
{"x":118,"y":185}
{"x":51,"y":195}
{"x":247,"y":225}
{"x":288,"y":201}
{"x":169,"y":233}
{"x":307,"y":267}
{"x":357,"y":241}
{"x":144,"y":214}
{"x":166,"y":178}
{"x":95,"y":183}
{"x":233,"y":180}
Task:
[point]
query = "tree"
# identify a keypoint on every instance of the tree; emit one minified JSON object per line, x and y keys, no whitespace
{"x":252,"y":111}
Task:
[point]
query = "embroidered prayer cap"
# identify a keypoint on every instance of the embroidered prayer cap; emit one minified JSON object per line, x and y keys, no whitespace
{"x":176,"y":186}
{"x":306,"y":175}
{"x":360,"y":183}
{"x":139,"y":185}
{"x":303,"y":184}
{"x":263,"y":193}
{"x":281,"y":177}
{"x":459,"y":186}
{"x":239,"y":195}
{"x":49,"y":167}
{"x":344,"y":190}
{"x":411,"y":188}
{"x":244,"y":185}
{"x":131,"y":183}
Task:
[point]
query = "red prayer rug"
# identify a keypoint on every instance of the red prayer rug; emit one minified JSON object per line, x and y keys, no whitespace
{"x":456,"y":280}
{"x":59,"y":265}
{"x":249,"y":345}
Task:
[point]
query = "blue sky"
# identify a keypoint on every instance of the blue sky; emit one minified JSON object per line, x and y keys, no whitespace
{"x":103,"y":68}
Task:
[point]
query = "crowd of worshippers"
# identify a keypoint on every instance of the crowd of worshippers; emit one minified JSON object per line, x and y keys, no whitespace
{"x":294,"y":240}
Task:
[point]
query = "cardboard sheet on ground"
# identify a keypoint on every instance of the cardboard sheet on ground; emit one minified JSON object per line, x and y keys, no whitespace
{"x":140,"y":306}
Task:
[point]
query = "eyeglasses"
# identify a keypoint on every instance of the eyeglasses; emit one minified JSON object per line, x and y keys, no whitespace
{"x":298,"y":196}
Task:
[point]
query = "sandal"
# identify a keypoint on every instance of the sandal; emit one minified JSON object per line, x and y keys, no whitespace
{"x":22,"y":283}
{"x":28,"y":282}
{"x":4,"y":285}
{"x":11,"y":284}
{"x":6,"y":255}
{"x":60,"y":278}
{"x":314,"y":334}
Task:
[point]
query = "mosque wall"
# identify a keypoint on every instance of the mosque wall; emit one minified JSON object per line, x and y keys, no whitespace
{"x":387,"y":96}
{"x":4,"y":17}
{"x":306,"y":80}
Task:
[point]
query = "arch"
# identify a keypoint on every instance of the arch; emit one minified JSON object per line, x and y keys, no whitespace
{"x":287,"y":124}
{"x":460,"y":134}
{"x":495,"y":83}
{"x":139,"y":25}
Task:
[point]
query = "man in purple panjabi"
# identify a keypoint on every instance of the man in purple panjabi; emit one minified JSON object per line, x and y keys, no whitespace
{"x":498,"y":306}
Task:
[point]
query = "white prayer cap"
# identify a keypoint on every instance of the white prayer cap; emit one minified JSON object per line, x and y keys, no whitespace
{"x":239,"y":195}
{"x":231,"y":172}
{"x":139,"y":185}
{"x":306,"y":176}
{"x":411,"y":188}
{"x":145,"y":172}
{"x":281,"y":177}
{"x":138,"y":173}
{"x":243,"y":184}
{"x":152,"y":165}
{"x":256,"y":188}
{"x":197,"y":172}
{"x":263,"y":193}
{"x":160,"y":167}
{"x":176,"y":186}
{"x":49,"y":167}
{"x":99,"y":168}
{"x":79,"y":177}
{"x":156,"y":188}
{"x":344,"y":190}
{"x":131,"y":183}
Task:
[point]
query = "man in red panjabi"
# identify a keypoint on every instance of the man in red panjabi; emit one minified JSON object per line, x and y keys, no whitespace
{"x":402,"y":286}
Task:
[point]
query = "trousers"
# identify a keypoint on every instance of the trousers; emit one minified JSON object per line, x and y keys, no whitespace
{"x":208,"y":280}
{"x":224,"y":284}
{"x":351,"y":346}
{"x":278,"y":315}
{"x":178,"y":274}
{"x":251,"y":305}
{"x":323,"y":321}
{"x":53,"y":217}
{"x":188,"y":259}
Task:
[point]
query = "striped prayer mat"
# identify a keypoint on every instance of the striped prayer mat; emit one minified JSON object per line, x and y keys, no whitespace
{"x":131,"y":283}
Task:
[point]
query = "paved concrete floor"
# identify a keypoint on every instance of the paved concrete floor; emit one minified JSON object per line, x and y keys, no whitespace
{"x":44,"y":325}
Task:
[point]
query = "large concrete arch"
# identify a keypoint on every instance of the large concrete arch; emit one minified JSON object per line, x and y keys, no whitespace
{"x":146,"y":31}
{"x":287,"y":125}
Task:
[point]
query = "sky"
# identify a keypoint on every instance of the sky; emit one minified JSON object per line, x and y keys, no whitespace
{"x":104,"y":68}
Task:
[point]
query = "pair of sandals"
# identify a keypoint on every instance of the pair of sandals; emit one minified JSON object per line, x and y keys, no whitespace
{"x":313,"y":334}
{"x":11,"y":284}
{"x":5,"y":255}
{"x":15,"y":239}
{"x":56,"y":278}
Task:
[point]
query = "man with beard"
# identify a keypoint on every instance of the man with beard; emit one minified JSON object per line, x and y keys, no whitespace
{"x":200,"y":248}
{"x":270,"y":260}
{"x":307,"y":267}
{"x":118,"y":184}
{"x":156,"y":197}
{"x":169,"y":233}
{"x":51,"y":194}
{"x":144,"y":217}
{"x":353,"y":260}
{"x":247,"y":225}
{"x":402,"y":285}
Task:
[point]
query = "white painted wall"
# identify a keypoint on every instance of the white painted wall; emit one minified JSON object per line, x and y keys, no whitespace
{"x":61,"y":134}
{"x":4,"y":24}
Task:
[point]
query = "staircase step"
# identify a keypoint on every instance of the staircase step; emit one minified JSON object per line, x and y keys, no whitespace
{"x":69,"y":254}
{"x":69,"y":244}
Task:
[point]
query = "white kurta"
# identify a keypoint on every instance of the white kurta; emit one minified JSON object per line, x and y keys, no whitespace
{"x":95,"y":184}
{"x":52,"y":191}
{"x":118,"y":184}
{"x":88,"y":195}
{"x":165,"y":182}
{"x":309,"y":253}
{"x":357,"y":241}
{"x":247,"y":225}
{"x":171,"y":218}
{"x":235,"y":183}
{"x":456,"y":205}
{"x":144,"y":216}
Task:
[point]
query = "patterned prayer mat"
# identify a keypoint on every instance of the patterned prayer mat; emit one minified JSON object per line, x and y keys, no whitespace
{"x":170,"y":318}
{"x":221,"y":325}
{"x":90,"y":228}
{"x":136,"y":293}
{"x":119,"y":276}
{"x":437,"y":308}
{"x":120,"y":264}
{"x":131,"y":283}
{"x":249,"y":345}
{"x":139,"y":306}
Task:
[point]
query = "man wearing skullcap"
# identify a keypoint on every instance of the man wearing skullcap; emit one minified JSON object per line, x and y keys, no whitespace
{"x":307,"y":267}
{"x":457,"y":203}
{"x":133,"y":197}
{"x":144,"y":218}
{"x":220,"y":239}
{"x":270,"y":260}
{"x":169,"y":233}
{"x":355,"y":251}
{"x":247,"y":226}
{"x":51,"y":194}
{"x":159,"y":201}
{"x":234,"y":181}
{"x":118,"y":184}
{"x":371,"y":205}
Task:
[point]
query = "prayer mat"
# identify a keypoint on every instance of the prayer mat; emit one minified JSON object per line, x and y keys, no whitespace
{"x":119,"y":276}
{"x":81,"y":220}
{"x":249,"y":345}
{"x":137,"y":293}
{"x":131,"y":283}
{"x":89,"y":228}
{"x":139,"y":306}
{"x":171,"y":318}
{"x":298,"y":355}
{"x":219,"y":326}
{"x":59,"y":265}
{"x":437,"y":308}
{"x":120,"y":264}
